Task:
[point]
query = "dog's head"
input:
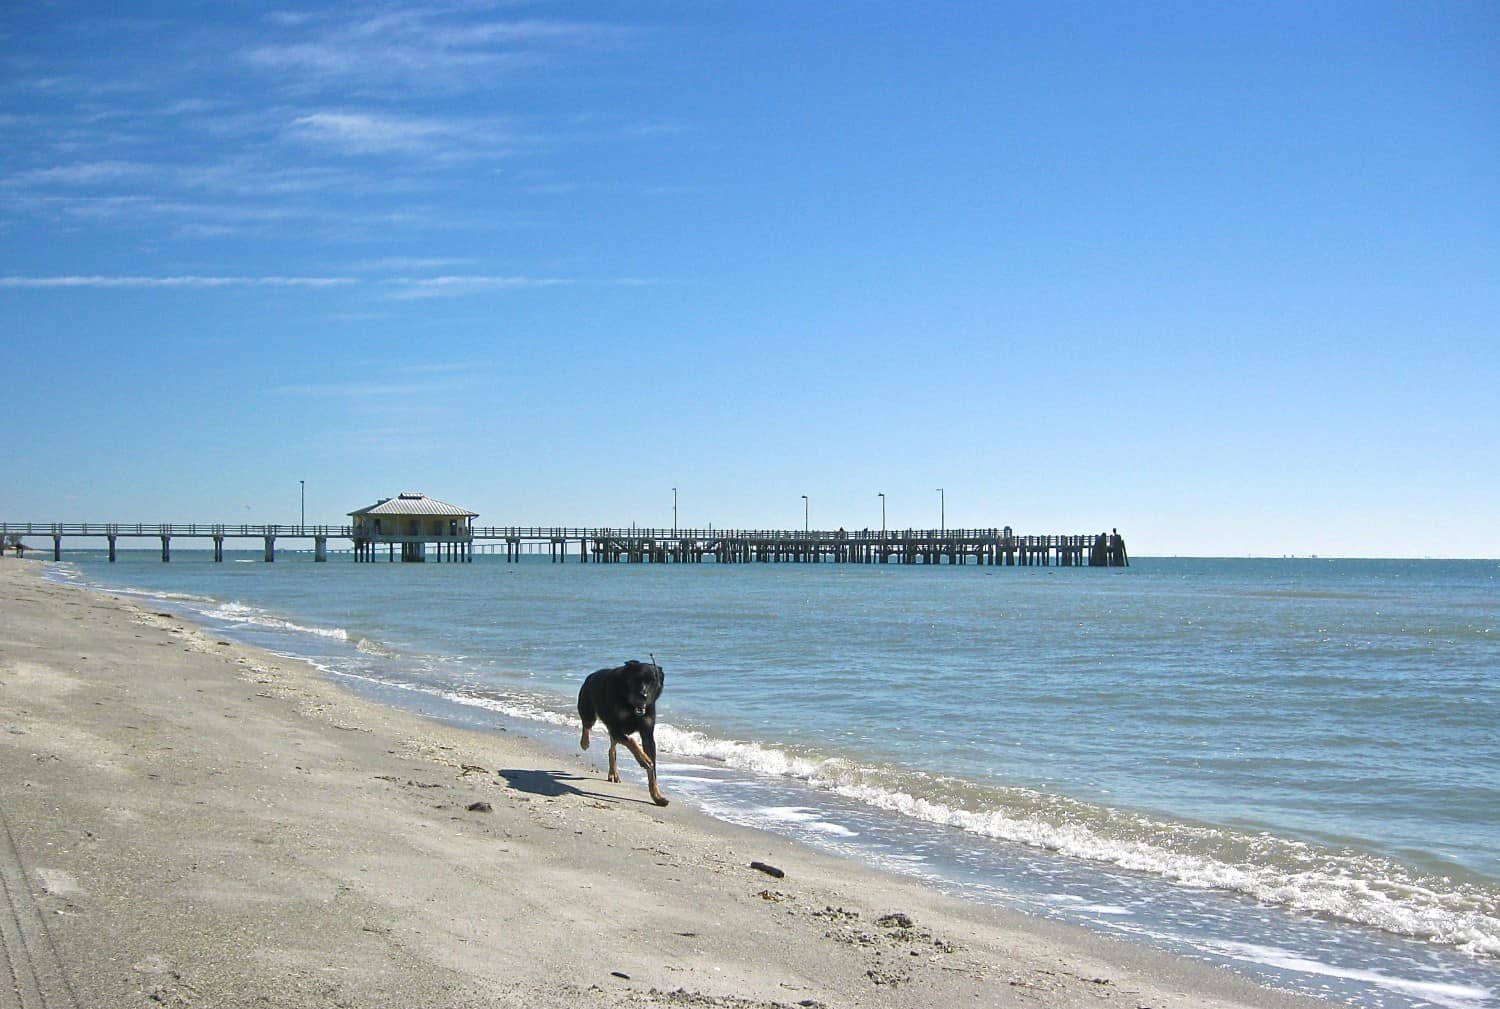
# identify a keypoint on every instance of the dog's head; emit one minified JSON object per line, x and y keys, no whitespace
{"x":643,"y":683}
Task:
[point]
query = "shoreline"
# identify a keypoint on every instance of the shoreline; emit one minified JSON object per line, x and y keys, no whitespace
{"x":193,"y":822}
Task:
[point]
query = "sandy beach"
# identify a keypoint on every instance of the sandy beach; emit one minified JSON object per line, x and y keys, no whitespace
{"x":190,"y":822}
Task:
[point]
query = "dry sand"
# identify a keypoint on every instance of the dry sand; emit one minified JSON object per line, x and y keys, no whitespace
{"x":188,"y":822}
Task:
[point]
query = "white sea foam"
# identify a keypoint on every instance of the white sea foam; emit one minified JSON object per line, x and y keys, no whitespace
{"x":1450,"y":996}
{"x":170,"y":597}
{"x":806,"y":818}
{"x":534,"y":710}
{"x":238,"y":613}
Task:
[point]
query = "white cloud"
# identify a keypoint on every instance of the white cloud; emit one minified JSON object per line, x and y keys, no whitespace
{"x":308,"y":58}
{"x":169,"y":282}
{"x":113,"y":208}
{"x":365,"y":133}
{"x":431,"y":47}
{"x":533,"y":31}
{"x":406,"y":288}
{"x":82,"y":173}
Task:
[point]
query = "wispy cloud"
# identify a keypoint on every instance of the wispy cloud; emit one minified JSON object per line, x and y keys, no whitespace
{"x":443,"y":47}
{"x":82,"y":173}
{"x":170,"y":282}
{"x":136,"y":208}
{"x":366,"y":133}
{"x":324,"y":128}
{"x":408,"y":288}
{"x":419,"y":389}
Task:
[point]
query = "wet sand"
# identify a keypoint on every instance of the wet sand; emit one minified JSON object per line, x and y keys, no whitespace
{"x":189,"y":822}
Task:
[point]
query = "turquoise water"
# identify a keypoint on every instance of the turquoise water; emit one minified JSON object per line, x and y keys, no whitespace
{"x":1287,"y":766}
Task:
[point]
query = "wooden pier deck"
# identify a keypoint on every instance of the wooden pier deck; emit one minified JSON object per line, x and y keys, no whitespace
{"x":606,"y":545}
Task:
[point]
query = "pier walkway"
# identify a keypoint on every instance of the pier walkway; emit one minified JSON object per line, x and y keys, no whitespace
{"x":613,"y":546}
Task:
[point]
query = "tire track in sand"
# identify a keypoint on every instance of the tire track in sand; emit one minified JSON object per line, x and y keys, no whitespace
{"x":33,"y":976}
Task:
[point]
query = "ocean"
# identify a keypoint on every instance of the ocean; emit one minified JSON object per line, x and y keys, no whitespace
{"x":1290,"y":768}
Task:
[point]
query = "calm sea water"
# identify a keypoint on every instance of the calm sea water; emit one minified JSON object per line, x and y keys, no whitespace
{"x":1290,"y":767}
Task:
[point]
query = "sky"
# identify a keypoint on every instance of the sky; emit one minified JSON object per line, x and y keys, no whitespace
{"x":1225,"y":277}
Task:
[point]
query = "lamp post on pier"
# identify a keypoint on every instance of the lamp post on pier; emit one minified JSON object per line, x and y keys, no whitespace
{"x":805,"y":526}
{"x":304,"y":503}
{"x":881,"y":495}
{"x":674,"y":511}
{"x":942,"y":511}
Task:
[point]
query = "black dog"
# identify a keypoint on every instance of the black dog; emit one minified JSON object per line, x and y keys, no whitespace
{"x":624,"y":699}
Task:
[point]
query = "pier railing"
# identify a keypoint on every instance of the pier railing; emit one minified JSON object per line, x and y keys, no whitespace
{"x":107,"y":529}
{"x":607,"y":544}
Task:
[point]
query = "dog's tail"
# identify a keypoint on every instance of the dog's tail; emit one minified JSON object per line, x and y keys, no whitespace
{"x":586,"y":714}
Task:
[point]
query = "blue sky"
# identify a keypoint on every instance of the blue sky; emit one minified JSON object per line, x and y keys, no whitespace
{"x":1226,"y":277}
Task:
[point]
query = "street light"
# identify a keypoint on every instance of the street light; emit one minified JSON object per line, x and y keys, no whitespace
{"x":881,"y":495}
{"x":805,"y":527}
{"x":304,"y":503}
{"x":674,"y":511}
{"x":942,"y":511}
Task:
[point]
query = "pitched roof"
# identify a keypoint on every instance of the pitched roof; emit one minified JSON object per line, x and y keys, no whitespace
{"x":412,"y":503}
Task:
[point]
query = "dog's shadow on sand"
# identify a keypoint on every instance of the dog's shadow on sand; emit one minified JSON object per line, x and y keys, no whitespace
{"x":555,"y":784}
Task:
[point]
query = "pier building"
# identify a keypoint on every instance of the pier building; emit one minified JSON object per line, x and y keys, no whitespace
{"x":414,"y":521}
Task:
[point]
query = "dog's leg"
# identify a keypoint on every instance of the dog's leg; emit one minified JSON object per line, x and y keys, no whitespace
{"x":583,"y":741}
{"x":648,"y":743}
{"x":650,"y":766}
{"x":614,"y":767}
{"x":653,"y":787}
{"x":640,"y":754}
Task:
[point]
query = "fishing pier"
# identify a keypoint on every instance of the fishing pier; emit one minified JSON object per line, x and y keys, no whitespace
{"x":460,"y":542}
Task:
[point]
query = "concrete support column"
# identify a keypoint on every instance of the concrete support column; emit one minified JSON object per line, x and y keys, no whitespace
{"x":219,"y":549}
{"x":112,"y":549}
{"x":270,"y":549}
{"x":57,"y":548}
{"x":320,"y":548}
{"x":166,"y":548}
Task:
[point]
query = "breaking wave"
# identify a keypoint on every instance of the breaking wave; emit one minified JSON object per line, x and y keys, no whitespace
{"x":238,"y":613}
